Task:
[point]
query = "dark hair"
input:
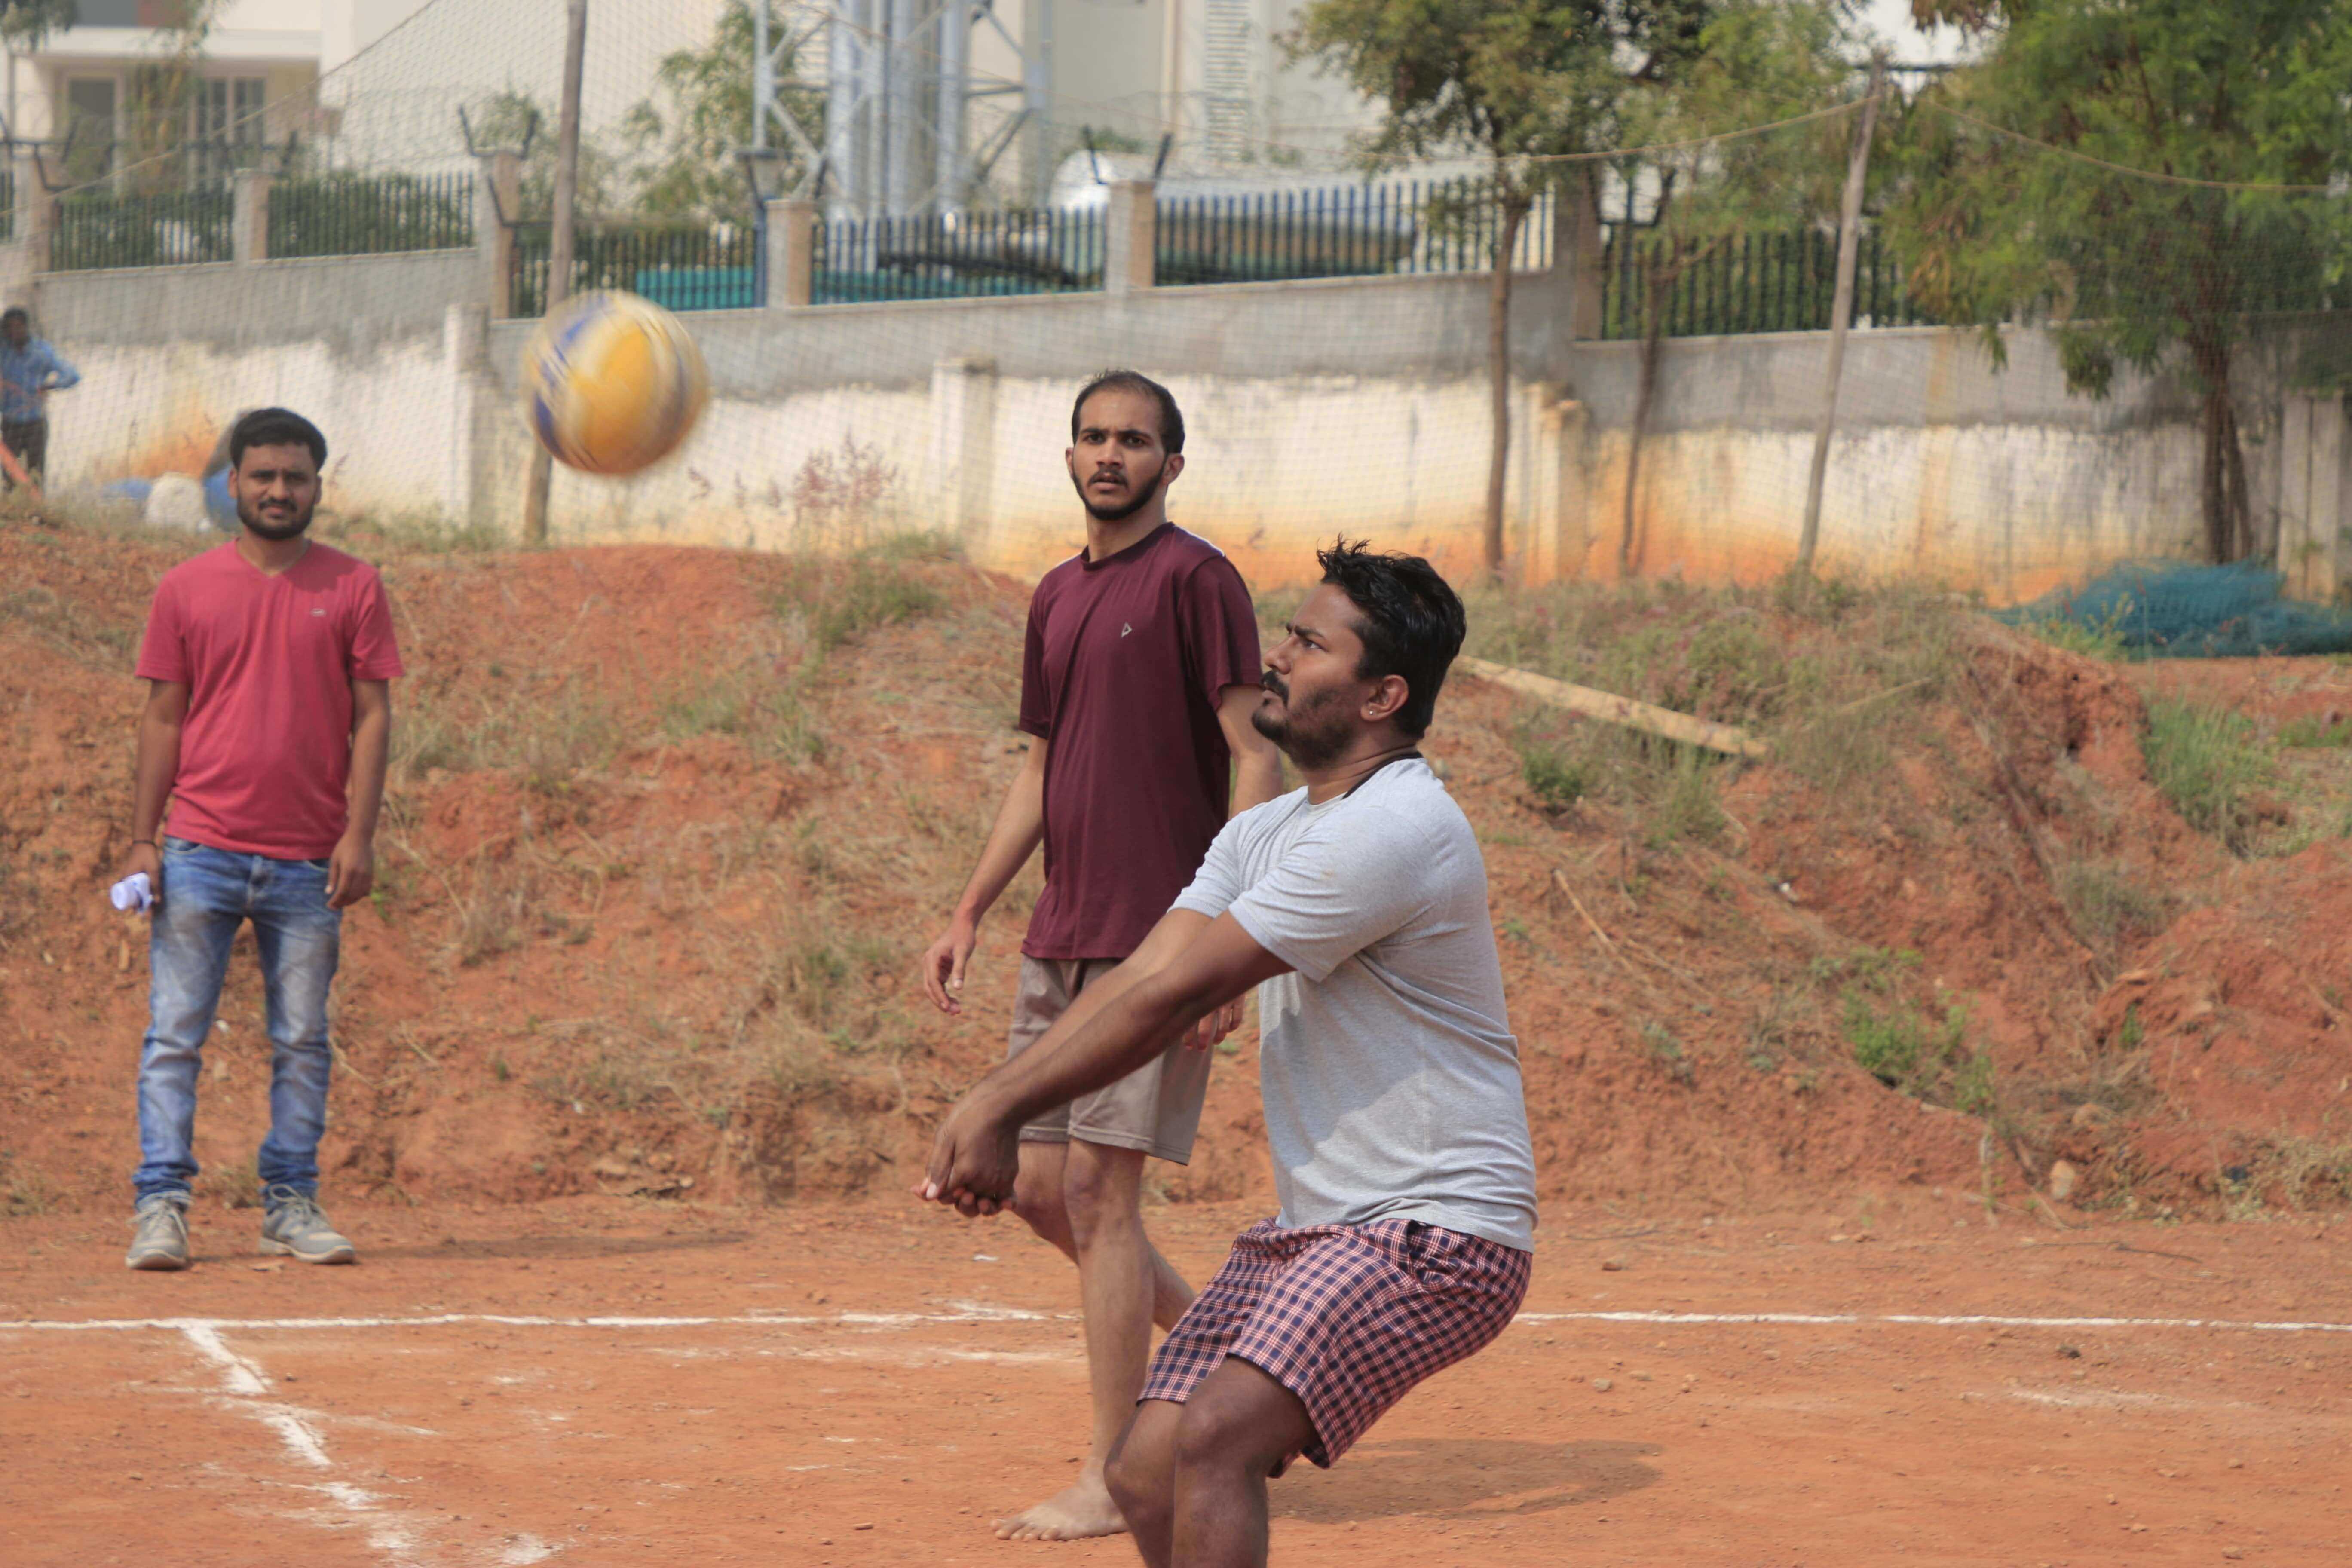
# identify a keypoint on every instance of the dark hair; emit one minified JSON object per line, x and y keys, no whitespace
{"x":1411,"y":622}
{"x":1172,"y":418}
{"x":274,"y":428}
{"x":14,"y":313}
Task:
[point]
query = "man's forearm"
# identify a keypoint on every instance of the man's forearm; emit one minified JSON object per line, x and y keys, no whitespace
{"x":1257,"y":778}
{"x":159,"y":764}
{"x":1019,"y":827}
{"x":370,"y":760}
{"x":1130,"y":1029}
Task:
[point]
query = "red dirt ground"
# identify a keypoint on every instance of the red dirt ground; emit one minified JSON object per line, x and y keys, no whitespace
{"x":813,"y":1437}
{"x":641,"y":935}
{"x":633,"y":937}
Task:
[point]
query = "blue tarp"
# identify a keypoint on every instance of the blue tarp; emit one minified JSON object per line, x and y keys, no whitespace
{"x":2172,"y":609}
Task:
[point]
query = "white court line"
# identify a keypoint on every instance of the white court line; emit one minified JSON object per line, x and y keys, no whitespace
{"x":396,"y":1532}
{"x":1953,"y":1320}
{"x":979,"y":1314}
{"x":965,"y":1313}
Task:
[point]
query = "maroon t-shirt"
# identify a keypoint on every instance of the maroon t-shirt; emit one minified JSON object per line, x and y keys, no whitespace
{"x":1125,"y":660}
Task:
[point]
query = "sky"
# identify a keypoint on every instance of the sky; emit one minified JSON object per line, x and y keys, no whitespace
{"x":1891,"y":20}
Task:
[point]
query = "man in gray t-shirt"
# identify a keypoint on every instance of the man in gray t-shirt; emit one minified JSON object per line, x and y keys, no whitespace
{"x":1358,"y":908}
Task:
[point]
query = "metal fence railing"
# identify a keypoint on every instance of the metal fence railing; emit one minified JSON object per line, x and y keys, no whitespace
{"x":167,"y":230}
{"x":684,"y":267}
{"x":1347,"y":231}
{"x":1771,"y":282}
{"x":371,"y":215}
{"x":959,"y":256}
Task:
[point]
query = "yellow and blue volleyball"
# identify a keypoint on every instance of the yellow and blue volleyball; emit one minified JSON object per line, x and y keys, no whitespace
{"x":612,"y":382}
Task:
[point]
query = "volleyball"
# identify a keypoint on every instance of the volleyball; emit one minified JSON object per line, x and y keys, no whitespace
{"x":612,"y":382}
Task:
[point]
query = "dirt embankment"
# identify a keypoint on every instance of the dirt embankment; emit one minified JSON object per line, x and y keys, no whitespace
{"x":667,"y":829}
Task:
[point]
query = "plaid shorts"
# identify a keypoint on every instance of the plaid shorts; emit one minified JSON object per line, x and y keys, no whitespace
{"x":1347,"y":1317}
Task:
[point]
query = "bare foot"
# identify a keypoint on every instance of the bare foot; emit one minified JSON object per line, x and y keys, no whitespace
{"x":1081,"y":1510}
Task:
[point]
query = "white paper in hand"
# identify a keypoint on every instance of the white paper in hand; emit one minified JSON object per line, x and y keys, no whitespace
{"x":134,"y":892}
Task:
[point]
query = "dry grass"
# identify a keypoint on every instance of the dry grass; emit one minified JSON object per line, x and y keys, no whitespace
{"x":1823,"y":677}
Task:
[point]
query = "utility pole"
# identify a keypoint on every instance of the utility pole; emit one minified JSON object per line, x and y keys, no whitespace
{"x":1857,"y":170}
{"x":560,"y":240}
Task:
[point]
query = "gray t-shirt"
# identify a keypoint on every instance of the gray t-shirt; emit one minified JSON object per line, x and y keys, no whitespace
{"x":1391,"y":1078}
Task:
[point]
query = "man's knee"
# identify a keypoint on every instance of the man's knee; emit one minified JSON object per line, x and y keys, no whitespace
{"x":1239,"y":1420}
{"x":1140,"y":1477}
{"x":1037,"y":1198}
{"x":1101,"y":1188}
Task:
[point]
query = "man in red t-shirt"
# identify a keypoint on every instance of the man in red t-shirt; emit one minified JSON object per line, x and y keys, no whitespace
{"x":1138,"y":682}
{"x":269,"y":663}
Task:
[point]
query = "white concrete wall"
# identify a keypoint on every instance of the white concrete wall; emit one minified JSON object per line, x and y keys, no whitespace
{"x":1351,"y":405}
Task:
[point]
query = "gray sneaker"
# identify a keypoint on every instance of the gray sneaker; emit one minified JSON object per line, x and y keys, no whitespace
{"x":297,"y":1228}
{"x":159,"y":1234}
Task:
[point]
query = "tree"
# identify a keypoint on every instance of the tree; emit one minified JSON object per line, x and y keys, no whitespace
{"x":1519,"y":82}
{"x":2154,"y":269}
{"x":704,"y":115}
{"x":1758,"y":61}
{"x":512,"y":118}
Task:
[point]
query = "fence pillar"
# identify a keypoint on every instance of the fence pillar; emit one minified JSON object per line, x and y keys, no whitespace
{"x":1130,"y":237}
{"x":963,"y":447}
{"x":792,"y":253}
{"x":248,"y":217}
{"x":2315,"y":496}
{"x":498,"y":201}
{"x":37,"y":210}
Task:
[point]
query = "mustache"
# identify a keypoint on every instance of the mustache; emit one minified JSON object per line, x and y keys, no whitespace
{"x":1275,"y":684}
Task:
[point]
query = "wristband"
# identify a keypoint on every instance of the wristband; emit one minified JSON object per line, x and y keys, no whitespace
{"x":149,"y":842}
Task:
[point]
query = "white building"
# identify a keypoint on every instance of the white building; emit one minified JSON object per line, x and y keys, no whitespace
{"x":379,"y":83}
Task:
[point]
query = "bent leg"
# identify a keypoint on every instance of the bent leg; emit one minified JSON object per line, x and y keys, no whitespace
{"x":1142,"y":1475}
{"x":1237,"y":1430}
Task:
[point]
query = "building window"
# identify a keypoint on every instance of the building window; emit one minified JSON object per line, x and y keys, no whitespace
{"x":91,"y":103}
{"x":229,"y":128}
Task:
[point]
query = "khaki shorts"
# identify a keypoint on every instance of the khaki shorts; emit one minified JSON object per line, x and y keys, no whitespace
{"x":1156,"y":1108}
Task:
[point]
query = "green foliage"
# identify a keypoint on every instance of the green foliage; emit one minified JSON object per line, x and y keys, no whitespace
{"x":2108,"y":908}
{"x":2207,"y":763}
{"x":370,"y":215}
{"x":2309,"y":731}
{"x":1551,"y":774}
{"x":504,"y":122}
{"x":702,"y":113}
{"x":2136,"y":270}
{"x":876,"y":591}
{"x":2101,"y":639}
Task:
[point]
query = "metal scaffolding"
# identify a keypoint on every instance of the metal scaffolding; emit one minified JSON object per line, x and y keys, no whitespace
{"x":896,"y":136}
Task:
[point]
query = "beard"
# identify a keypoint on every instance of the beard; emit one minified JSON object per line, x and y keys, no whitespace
{"x":1120,"y":512}
{"x":276,"y":533}
{"x":1311,"y":734}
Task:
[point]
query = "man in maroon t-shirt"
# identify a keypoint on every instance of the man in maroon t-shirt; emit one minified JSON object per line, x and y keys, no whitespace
{"x":1138,"y":682}
{"x":269,"y":663}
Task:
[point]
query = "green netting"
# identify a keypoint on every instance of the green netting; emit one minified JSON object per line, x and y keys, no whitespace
{"x":2171,"y":609}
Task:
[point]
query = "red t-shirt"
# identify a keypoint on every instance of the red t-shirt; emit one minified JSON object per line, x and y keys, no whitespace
{"x":1125,"y":660}
{"x":265,"y":750}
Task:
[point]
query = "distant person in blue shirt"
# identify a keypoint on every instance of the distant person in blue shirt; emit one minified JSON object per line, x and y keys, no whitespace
{"x":30,"y":371}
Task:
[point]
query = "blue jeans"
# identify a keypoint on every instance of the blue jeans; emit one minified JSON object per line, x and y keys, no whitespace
{"x":206,"y":894}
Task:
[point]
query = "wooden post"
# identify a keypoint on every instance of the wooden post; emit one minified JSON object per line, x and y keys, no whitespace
{"x":1857,"y":170}
{"x":559,"y":243}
